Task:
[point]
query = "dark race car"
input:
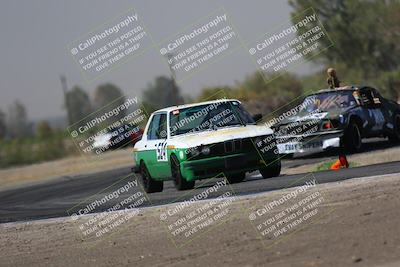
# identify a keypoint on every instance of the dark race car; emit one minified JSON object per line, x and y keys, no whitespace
{"x":340,"y":117}
{"x":118,"y":137}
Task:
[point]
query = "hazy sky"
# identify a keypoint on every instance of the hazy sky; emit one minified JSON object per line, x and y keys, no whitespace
{"x":35,"y":35}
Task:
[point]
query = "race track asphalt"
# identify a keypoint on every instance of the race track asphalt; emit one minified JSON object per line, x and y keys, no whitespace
{"x":56,"y":197}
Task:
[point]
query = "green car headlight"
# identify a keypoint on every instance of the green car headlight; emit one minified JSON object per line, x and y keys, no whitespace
{"x":205,"y":150}
{"x":193,"y":152}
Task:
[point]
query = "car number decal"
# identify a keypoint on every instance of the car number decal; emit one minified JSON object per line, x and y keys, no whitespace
{"x":161,"y":151}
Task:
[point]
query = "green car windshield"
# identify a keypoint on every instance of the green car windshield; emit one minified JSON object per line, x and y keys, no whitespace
{"x":329,"y":101}
{"x":208,"y":117}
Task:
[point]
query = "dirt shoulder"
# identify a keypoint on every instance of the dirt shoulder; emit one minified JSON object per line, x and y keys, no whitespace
{"x":362,"y":159}
{"x":358,"y":226}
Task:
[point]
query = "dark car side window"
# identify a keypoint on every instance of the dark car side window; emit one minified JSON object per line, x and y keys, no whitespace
{"x":367,"y":98}
{"x":157,"y":127}
{"x":162,"y":127}
{"x":155,"y":121}
{"x":377,"y":97}
{"x":371,"y":97}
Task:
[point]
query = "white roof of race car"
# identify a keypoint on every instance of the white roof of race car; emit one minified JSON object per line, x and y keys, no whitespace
{"x":169,"y":109}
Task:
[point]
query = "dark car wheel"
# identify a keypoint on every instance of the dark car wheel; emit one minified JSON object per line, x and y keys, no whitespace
{"x":150,"y":185}
{"x":236,"y":178}
{"x":395,"y":137}
{"x":272,"y":171}
{"x":352,"y":138}
{"x":180,"y":182}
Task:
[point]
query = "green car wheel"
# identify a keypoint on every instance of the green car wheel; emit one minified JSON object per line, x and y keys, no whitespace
{"x":236,"y":178}
{"x":180,"y":182}
{"x":150,"y":185}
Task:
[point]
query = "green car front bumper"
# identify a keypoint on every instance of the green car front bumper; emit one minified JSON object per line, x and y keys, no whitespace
{"x":230,"y":164}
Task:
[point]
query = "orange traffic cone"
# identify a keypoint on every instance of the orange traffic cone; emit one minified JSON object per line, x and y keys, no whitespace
{"x":340,"y":163}
{"x":336,"y":165}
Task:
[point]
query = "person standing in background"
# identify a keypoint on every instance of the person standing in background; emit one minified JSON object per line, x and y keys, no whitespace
{"x":332,"y":80}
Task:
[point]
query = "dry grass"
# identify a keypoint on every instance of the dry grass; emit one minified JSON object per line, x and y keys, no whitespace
{"x":363,"y":159}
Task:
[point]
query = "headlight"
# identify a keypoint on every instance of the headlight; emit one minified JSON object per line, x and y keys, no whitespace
{"x":342,"y":119}
{"x":205,"y":150}
{"x":193,"y":152}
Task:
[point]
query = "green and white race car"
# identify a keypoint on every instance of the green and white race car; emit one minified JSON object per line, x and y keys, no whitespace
{"x":204,"y":140}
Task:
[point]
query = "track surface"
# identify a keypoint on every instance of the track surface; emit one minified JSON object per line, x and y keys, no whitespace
{"x":54,"y":198}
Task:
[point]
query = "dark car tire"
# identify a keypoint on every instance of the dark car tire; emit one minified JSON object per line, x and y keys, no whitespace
{"x":236,"y":178}
{"x":395,"y":137}
{"x":149,"y":184}
{"x":269,"y":172}
{"x":352,"y":138}
{"x":179,"y":181}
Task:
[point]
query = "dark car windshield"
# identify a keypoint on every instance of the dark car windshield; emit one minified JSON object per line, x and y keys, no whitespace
{"x":210,"y":116}
{"x":329,"y":101}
